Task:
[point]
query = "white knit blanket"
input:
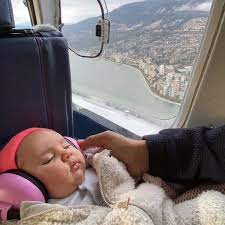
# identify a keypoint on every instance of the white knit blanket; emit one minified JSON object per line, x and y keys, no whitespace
{"x":148,"y":204}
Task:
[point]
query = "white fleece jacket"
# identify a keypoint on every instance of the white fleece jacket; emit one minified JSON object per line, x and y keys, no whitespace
{"x":148,"y":204}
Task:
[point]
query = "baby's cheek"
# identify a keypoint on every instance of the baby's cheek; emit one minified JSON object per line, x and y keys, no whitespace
{"x":53,"y":174}
{"x":61,"y":172}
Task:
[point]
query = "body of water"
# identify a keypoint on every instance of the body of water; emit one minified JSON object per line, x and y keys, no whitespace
{"x":120,"y":86}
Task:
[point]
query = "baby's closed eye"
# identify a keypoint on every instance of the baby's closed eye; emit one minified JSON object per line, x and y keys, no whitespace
{"x":48,"y":160}
{"x":66,"y":147}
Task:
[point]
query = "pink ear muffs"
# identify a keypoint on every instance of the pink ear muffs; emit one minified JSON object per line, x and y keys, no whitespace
{"x":17,"y":186}
{"x":73,"y":142}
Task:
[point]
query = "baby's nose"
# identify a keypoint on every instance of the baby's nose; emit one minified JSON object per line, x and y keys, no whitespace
{"x":66,"y":155}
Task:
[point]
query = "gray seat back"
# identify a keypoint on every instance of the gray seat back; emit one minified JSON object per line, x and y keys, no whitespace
{"x":35,"y":83}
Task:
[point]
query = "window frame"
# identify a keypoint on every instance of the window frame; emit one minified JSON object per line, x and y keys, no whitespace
{"x":193,"y":91}
{"x":186,"y":116}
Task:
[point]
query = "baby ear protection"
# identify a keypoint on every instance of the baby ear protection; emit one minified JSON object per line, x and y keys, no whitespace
{"x":17,"y":186}
{"x":73,"y":142}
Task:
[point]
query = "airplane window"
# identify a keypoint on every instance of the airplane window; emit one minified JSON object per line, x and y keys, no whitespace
{"x":148,"y":62}
{"x":21,"y":14}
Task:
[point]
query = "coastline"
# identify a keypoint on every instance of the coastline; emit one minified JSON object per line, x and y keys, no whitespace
{"x":160,"y":97}
{"x":155,"y":93}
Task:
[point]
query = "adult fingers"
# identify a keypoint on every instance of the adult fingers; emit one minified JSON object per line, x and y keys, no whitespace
{"x":96,"y":140}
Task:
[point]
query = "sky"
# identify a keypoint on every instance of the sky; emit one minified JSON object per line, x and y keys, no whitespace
{"x":76,"y":10}
{"x":200,"y":7}
{"x":72,"y":10}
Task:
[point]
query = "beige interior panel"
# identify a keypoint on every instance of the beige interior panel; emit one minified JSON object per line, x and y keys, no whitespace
{"x":209,"y":105}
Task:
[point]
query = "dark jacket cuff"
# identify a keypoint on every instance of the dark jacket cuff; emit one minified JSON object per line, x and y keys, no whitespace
{"x":158,"y":162}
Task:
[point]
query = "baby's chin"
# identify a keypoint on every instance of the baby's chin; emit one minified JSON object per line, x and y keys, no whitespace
{"x":79,"y":180}
{"x":79,"y":176}
{"x":64,"y":194}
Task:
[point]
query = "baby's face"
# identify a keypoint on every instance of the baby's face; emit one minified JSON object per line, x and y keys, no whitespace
{"x":49,"y":157}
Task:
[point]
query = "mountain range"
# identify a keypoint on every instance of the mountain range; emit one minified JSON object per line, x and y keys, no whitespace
{"x":165,"y":31}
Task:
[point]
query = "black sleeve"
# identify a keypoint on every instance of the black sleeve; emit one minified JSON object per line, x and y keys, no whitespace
{"x":188,"y":154}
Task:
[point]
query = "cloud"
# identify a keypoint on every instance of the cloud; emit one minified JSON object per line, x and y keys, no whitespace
{"x":72,"y":10}
{"x":206,"y":6}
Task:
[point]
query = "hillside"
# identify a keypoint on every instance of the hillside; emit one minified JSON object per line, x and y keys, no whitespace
{"x":166,"y":31}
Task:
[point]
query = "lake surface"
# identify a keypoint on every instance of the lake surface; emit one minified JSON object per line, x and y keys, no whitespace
{"x":120,"y":86}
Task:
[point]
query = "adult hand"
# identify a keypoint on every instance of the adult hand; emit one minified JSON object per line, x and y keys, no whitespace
{"x":133,"y":153}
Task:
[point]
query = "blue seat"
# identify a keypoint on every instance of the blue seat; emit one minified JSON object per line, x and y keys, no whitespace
{"x":35,"y":83}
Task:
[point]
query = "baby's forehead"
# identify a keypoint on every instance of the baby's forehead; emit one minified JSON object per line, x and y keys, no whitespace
{"x":44,"y":134}
{"x":37,"y":144}
{"x":41,"y":139}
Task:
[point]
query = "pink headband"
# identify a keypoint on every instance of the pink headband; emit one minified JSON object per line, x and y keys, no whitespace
{"x":8,"y":153}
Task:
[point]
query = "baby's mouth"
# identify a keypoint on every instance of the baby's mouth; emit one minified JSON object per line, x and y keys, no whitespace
{"x":75,"y":166}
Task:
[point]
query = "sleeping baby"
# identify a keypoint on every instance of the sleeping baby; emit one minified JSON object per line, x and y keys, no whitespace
{"x":102,"y":194}
{"x":57,"y":162}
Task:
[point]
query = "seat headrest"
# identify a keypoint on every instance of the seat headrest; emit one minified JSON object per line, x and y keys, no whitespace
{"x":6,"y":15}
